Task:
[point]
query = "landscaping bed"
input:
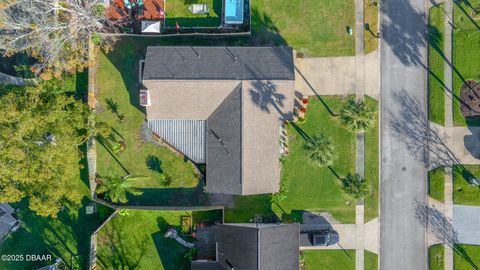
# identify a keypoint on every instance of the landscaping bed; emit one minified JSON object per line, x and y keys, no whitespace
{"x":436,"y":62}
{"x":329,"y":259}
{"x":436,"y":184}
{"x":136,"y":239}
{"x":463,"y":192}
{"x":466,"y":52}
{"x":139,"y":153}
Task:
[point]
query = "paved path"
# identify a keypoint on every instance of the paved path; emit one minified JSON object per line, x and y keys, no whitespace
{"x":403,"y":177}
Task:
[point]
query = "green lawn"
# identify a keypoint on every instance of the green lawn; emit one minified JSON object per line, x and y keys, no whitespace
{"x":314,"y":27}
{"x":177,"y":11}
{"x":117,"y":80}
{"x":472,"y":252}
{"x":436,"y":90}
{"x":309,"y":187}
{"x":370,"y":17}
{"x":136,"y":240}
{"x":371,"y":260}
{"x":436,"y":257}
{"x":436,"y":183}
{"x":466,"y":51}
{"x":372,"y":166}
{"x":329,"y":259}
{"x":463,"y":192}
{"x":66,"y":237}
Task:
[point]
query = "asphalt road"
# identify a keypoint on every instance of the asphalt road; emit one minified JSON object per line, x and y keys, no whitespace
{"x":403,"y":175}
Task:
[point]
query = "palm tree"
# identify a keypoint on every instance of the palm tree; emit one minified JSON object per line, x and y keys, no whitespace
{"x":321,"y":150}
{"x":356,"y":186}
{"x":116,"y":187}
{"x":279,"y":196}
{"x":357,"y":116}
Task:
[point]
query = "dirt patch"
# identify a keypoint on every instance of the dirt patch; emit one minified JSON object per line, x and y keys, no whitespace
{"x":470,"y":99}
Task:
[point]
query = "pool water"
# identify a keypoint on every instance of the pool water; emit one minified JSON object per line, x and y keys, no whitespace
{"x":233,"y":11}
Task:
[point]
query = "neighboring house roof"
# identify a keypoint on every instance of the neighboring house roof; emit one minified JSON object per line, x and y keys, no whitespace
{"x":7,"y":221}
{"x":219,"y":63}
{"x":256,"y":247}
{"x":239,"y":141}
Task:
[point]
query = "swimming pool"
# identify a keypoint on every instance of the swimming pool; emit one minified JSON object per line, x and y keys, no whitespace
{"x":233,"y":11}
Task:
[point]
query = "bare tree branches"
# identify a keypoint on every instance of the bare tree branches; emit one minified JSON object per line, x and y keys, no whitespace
{"x":56,"y":32}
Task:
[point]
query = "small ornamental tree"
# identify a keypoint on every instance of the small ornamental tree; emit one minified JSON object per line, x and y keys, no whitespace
{"x":357,"y":116}
{"x":356,"y":186}
{"x":321,"y":150}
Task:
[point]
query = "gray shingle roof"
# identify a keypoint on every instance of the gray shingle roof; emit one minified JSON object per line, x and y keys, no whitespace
{"x":258,"y":246}
{"x":219,"y":63}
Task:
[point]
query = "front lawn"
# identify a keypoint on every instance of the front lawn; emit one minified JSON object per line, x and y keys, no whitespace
{"x":329,"y":259}
{"x":436,"y":257}
{"x":436,"y":183}
{"x":372,"y":165}
{"x":177,"y":12}
{"x":371,"y":260}
{"x":472,"y":251}
{"x":117,"y":82}
{"x":466,"y":51}
{"x":309,"y":187}
{"x":313,"y":27}
{"x":436,"y":62}
{"x":135,"y":240}
{"x":463,"y":192}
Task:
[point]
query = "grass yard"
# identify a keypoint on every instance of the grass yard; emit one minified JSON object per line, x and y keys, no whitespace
{"x":329,"y":259}
{"x":370,"y":11}
{"x":466,"y":51}
{"x":309,"y":187}
{"x":313,"y":27}
{"x":177,"y":12}
{"x":117,"y":80}
{"x":436,"y":184}
{"x":459,"y":263}
{"x":463,"y":192}
{"x":436,"y":90}
{"x":371,"y":260}
{"x":436,"y":257}
{"x":372,"y":166}
{"x":136,"y":240}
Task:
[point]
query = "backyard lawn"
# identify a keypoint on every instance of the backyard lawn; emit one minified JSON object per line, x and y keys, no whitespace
{"x":136,"y":240}
{"x":309,"y":188}
{"x":436,"y":257}
{"x":436,"y":91}
{"x":371,"y":18}
{"x":436,"y":183}
{"x":466,"y":50}
{"x":371,"y":260}
{"x":117,"y":83}
{"x":313,"y":27}
{"x":329,"y":259}
{"x":463,"y":192}
{"x":473,"y":253}
{"x":372,"y":166}
{"x":177,"y":12}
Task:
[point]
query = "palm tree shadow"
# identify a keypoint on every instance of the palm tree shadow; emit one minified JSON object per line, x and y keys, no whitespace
{"x":154,"y":163}
{"x":265,"y":95}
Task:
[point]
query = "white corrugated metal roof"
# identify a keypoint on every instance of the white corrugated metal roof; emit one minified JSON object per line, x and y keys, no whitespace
{"x":187,"y":136}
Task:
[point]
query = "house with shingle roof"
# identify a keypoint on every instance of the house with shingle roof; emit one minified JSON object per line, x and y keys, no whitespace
{"x":8,"y":221}
{"x":222,"y":106}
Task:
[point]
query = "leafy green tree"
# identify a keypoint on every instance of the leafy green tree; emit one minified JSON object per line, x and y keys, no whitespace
{"x":40,"y":135}
{"x":321,"y":150}
{"x":357,"y":116}
{"x":356,"y":186}
{"x":116,"y":187}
